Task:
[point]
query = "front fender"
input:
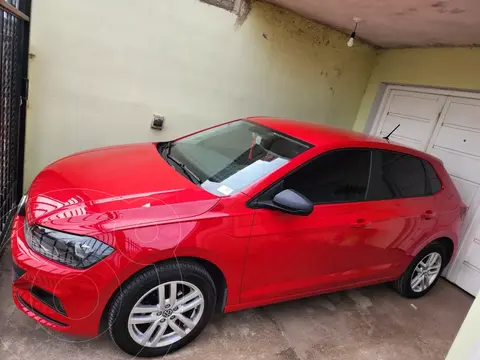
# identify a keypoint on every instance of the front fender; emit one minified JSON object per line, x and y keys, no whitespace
{"x":207,"y":239}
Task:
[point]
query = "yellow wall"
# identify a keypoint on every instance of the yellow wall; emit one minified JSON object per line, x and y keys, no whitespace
{"x":437,"y":67}
{"x":100,"y":69}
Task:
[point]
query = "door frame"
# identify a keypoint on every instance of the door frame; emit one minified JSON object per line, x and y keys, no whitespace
{"x":453,"y":269}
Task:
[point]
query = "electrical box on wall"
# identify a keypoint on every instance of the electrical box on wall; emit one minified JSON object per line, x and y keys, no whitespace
{"x":157,"y":122}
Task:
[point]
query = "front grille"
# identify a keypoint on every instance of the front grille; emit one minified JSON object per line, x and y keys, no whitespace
{"x":38,"y":313}
{"x":48,"y":299}
{"x":17,"y":271}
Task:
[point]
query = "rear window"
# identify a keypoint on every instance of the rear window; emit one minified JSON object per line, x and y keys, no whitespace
{"x":397,"y":175}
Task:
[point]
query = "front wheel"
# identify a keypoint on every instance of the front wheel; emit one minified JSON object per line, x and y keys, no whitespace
{"x":423,"y":272}
{"x":162,"y":309}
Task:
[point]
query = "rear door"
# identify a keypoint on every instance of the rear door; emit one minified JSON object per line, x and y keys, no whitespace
{"x":401,"y":181}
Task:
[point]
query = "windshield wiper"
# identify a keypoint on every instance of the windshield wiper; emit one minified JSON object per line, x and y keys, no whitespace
{"x":191,"y":175}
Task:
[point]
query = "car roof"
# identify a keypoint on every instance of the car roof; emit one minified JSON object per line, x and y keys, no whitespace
{"x":312,"y":133}
{"x":322,"y":135}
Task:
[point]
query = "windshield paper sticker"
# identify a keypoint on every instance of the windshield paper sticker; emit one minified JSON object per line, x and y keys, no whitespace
{"x":225,"y":190}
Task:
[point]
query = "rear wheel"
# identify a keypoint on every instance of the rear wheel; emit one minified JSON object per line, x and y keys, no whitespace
{"x":423,"y":272}
{"x":162,"y":309}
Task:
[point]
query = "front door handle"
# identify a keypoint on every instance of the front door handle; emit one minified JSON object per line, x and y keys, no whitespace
{"x":427,"y":215}
{"x":361,"y":223}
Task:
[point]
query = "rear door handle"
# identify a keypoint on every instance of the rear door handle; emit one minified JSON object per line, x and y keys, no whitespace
{"x":361,"y":223}
{"x":427,"y":215}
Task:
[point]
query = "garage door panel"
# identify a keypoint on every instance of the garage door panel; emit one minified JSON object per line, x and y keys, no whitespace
{"x":417,"y":105}
{"x":407,"y":142}
{"x":473,"y":254}
{"x":411,"y":129}
{"x":460,"y":140}
{"x":468,"y":277}
{"x":463,"y":112}
{"x":467,"y":189}
{"x":456,"y":163}
{"x":417,"y":114}
{"x":457,"y":142}
{"x":404,"y":141}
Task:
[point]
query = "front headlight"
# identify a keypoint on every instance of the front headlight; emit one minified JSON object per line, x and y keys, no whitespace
{"x":76,"y":251}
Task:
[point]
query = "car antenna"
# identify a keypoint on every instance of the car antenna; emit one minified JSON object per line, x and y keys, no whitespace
{"x":391,"y":132}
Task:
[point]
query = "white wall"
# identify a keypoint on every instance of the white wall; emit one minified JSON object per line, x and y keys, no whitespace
{"x":100,"y":69}
{"x":467,"y":343}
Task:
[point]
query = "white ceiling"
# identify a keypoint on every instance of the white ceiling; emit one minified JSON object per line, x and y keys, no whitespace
{"x":398,"y":23}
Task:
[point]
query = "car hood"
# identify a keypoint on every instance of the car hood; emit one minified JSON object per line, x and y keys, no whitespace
{"x":111,"y":189}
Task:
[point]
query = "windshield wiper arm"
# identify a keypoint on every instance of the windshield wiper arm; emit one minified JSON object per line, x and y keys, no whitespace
{"x":191,"y":175}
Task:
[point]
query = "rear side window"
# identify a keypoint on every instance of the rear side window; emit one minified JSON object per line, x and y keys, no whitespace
{"x":397,"y":175}
{"x":339,"y":176}
{"x":432,"y":178}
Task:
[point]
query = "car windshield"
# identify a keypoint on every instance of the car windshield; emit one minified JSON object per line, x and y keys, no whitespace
{"x":226,"y":159}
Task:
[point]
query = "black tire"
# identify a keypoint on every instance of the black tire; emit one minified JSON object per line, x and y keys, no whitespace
{"x":136,"y":287}
{"x":403,"y":284}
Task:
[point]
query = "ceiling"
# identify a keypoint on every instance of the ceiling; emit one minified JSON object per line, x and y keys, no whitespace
{"x":398,"y":23}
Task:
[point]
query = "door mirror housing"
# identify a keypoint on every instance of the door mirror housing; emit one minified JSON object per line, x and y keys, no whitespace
{"x":290,"y":202}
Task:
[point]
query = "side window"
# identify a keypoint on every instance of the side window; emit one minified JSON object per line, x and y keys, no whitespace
{"x":339,"y":176}
{"x":432,"y":177}
{"x":397,"y":175}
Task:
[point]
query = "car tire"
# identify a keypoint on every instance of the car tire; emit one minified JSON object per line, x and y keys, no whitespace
{"x":142,"y":291}
{"x":407,"y":286}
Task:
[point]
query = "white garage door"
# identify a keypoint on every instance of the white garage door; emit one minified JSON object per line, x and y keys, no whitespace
{"x":448,"y":127}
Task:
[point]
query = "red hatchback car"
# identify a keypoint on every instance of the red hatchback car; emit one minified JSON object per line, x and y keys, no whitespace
{"x":150,"y":240}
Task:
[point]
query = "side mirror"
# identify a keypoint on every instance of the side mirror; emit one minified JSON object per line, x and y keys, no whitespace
{"x":291,"y":202}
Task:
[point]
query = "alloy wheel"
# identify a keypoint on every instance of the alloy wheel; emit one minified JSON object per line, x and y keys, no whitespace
{"x":426,"y":272}
{"x":166,"y":314}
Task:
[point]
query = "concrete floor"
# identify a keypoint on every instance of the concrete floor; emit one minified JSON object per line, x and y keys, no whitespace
{"x":369,"y":323}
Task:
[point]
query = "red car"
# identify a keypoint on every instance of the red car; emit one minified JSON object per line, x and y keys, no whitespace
{"x":149,"y":240}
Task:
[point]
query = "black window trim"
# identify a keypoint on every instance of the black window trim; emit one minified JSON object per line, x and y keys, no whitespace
{"x":252,"y":202}
{"x":427,"y":180}
{"x":436,"y":174}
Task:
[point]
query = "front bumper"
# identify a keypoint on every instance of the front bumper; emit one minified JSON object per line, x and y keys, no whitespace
{"x":58,"y":297}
